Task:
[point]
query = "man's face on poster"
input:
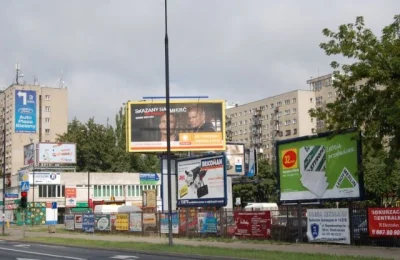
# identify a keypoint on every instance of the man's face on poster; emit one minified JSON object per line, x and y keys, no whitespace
{"x":163,"y":123}
{"x":196,"y":118}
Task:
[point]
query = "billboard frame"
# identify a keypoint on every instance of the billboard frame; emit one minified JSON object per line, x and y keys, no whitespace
{"x":329,"y":134}
{"x":128,"y":127}
{"x":225,"y":182}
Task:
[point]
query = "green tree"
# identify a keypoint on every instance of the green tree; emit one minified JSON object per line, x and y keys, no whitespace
{"x":368,"y":95}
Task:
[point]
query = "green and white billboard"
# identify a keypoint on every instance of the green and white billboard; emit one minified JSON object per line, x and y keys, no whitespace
{"x":321,"y":167}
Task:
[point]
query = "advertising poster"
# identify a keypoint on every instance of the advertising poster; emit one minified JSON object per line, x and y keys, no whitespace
{"x":70,"y":197}
{"x":195,"y":126}
{"x":88,"y":223}
{"x":69,"y":222}
{"x":206,"y":222}
{"x":150,"y":198}
{"x":78,"y":221}
{"x":29,"y":154}
{"x":25,"y":111}
{"x":103,"y":222}
{"x":45,"y":178}
{"x":148,"y":178}
{"x":164,"y":223}
{"x":122,"y":222}
{"x":328,"y":225}
{"x":250,"y":162}
{"x":319,"y":168}
{"x":235,"y":159}
{"x":135,"y":222}
{"x":202,"y":182}
{"x":384,"y":222}
{"x":149,"y":218}
{"x":255,"y":224}
{"x":56,"y":153}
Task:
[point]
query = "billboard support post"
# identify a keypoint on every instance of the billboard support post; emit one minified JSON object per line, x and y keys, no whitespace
{"x":168,"y":114}
{"x":4,"y":161}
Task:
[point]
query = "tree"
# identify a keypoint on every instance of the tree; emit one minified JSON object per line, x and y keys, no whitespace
{"x":368,"y":94}
{"x":374,"y":105}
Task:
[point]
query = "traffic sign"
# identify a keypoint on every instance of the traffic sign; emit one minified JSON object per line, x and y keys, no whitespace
{"x":24,"y":185}
{"x":54,"y":205}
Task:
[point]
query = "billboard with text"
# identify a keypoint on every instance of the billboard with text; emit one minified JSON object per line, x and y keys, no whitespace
{"x":25,"y":111}
{"x":235,"y":159}
{"x":195,"y":126}
{"x":320,"y":167}
{"x":63,"y":153}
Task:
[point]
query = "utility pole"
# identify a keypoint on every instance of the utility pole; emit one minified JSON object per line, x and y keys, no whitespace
{"x":4,"y":162}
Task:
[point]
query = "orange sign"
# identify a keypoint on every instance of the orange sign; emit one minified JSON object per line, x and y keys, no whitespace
{"x":70,"y":193}
{"x":289,"y":159}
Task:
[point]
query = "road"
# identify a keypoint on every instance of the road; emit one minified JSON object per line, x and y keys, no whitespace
{"x":10,"y":250}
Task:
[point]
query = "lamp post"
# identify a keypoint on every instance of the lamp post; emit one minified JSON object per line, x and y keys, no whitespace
{"x":168,"y":114}
{"x":4,"y":162}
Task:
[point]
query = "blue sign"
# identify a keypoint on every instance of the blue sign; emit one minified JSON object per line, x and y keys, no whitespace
{"x":149,"y":178}
{"x":11,"y":196}
{"x":24,"y":185}
{"x":314,"y":230}
{"x":54,"y":205}
{"x":88,"y":223}
{"x":25,"y":111}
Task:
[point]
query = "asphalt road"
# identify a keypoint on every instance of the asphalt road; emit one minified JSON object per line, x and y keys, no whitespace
{"x":25,"y":251}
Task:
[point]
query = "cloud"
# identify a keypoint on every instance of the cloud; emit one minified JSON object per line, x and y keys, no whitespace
{"x":113,"y":51}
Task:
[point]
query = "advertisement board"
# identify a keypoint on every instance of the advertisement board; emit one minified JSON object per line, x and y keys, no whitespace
{"x":56,"y":153}
{"x":69,"y":222}
{"x":29,"y":154}
{"x":255,"y":224}
{"x":44,"y":178}
{"x":148,"y":178}
{"x":135,"y":222}
{"x":122,"y":222}
{"x":250,"y":162}
{"x":384,"y":222}
{"x":88,"y":223}
{"x":206,"y":223}
{"x":202,"y":181}
{"x":195,"y":126}
{"x":235,"y":159}
{"x":102,"y":222}
{"x":78,"y":221}
{"x":149,"y":198}
{"x":328,"y":225}
{"x":322,"y":167}
{"x":25,"y":111}
{"x":164,"y":223}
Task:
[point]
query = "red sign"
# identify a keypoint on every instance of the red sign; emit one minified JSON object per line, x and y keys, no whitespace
{"x":253,"y":224}
{"x":70,"y":193}
{"x":384,"y":222}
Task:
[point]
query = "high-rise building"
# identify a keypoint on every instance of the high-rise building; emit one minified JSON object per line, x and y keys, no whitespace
{"x":260,"y":123}
{"x":29,"y":114}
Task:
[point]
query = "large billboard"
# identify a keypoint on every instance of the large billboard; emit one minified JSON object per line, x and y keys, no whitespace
{"x":56,"y":153}
{"x":320,"y":167}
{"x":25,"y":111}
{"x":235,"y":159}
{"x":202,"y":182}
{"x":195,"y":126}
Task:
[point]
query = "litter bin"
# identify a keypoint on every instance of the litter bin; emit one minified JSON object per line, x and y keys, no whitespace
{"x":52,"y":229}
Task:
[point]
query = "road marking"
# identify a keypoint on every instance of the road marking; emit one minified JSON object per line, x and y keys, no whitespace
{"x":43,"y":254}
{"x":27,"y":259}
{"x":22,"y":245}
{"x":125,"y":257}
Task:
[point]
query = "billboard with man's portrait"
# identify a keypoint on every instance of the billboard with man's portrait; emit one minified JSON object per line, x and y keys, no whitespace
{"x":195,"y":126}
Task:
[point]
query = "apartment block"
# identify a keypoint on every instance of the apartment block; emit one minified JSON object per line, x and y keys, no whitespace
{"x":260,"y":123}
{"x":29,"y":114}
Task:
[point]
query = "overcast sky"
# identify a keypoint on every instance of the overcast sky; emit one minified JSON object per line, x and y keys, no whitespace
{"x":113,"y":51}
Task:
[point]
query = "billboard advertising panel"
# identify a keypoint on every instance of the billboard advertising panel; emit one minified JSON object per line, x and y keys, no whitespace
{"x":195,"y":126}
{"x":202,"y":182}
{"x":25,"y":111}
{"x":235,"y":159}
{"x":56,"y":153}
{"x":384,"y":222}
{"x":322,"y":167}
{"x":29,"y":154}
{"x":44,"y":178}
{"x":250,"y":162}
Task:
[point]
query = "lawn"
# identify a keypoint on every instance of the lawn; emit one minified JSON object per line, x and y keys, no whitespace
{"x":189,"y":250}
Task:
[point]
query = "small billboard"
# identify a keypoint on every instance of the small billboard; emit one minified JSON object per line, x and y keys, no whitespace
{"x":235,"y":159}
{"x":195,"y":126}
{"x":29,"y":154}
{"x":320,"y":167}
{"x":202,"y":181}
{"x":62,"y":153}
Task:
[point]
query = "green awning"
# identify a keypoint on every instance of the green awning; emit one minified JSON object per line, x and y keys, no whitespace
{"x":81,"y":210}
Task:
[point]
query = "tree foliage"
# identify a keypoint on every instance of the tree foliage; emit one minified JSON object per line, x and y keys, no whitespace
{"x":103,"y":148}
{"x":263,"y":188}
{"x":368,"y":96}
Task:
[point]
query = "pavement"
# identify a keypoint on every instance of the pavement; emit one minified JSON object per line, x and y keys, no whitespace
{"x":16,"y":234}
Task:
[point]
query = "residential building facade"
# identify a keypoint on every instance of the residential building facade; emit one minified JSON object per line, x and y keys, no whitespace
{"x":261,"y":123}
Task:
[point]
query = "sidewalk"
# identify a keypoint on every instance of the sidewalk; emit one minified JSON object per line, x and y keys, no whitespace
{"x":389,"y":253}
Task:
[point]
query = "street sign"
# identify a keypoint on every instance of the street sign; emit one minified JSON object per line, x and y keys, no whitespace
{"x":11,"y":196}
{"x":54,"y":205}
{"x":24,"y":185}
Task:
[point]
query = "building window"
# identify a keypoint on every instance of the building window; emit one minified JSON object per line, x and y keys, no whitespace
{"x":287,"y":112}
{"x":294,"y":110}
{"x":47,"y":97}
{"x":271,"y":106}
{"x":287,"y":102}
{"x":288,"y":132}
{"x":240,"y":113}
{"x":294,"y":100}
{"x":278,"y":104}
{"x":311,"y":100}
{"x":294,"y":121}
{"x":47,"y":131}
{"x":51,"y":191}
{"x":47,"y":108}
{"x":245,"y":112}
{"x":295,"y":131}
{"x":47,"y":119}
{"x":330,"y":95}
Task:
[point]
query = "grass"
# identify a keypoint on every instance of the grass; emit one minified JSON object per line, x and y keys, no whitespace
{"x":189,"y":250}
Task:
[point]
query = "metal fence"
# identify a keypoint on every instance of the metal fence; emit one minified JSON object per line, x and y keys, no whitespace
{"x":288,"y":224}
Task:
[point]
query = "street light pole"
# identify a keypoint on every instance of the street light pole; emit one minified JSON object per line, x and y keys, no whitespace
{"x":4,"y":162}
{"x":167,"y":106}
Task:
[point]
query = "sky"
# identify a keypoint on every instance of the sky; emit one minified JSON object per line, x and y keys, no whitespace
{"x":113,"y":51}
